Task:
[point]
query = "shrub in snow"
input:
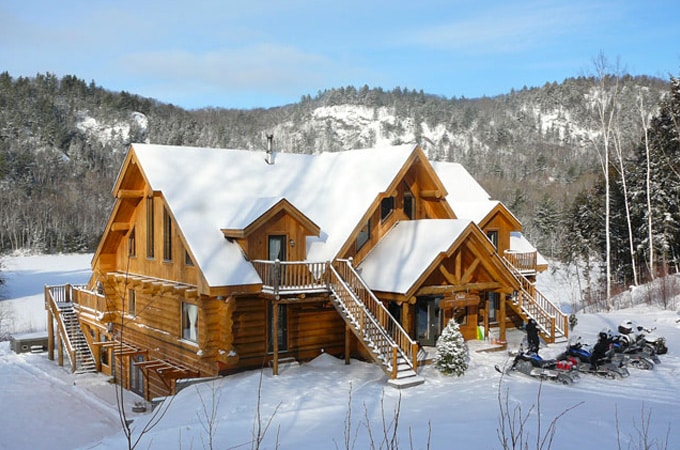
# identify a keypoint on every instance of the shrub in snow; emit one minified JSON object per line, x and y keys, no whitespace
{"x":452,"y":353}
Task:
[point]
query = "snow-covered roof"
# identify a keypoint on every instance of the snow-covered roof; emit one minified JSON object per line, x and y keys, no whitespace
{"x":211,"y":189}
{"x":403,"y":254}
{"x":461,"y":186}
{"x":475,"y":211}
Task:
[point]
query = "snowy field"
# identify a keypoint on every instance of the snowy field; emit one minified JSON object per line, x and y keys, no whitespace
{"x":325,"y":404}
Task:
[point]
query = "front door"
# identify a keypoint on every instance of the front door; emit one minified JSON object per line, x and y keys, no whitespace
{"x":428,"y":320}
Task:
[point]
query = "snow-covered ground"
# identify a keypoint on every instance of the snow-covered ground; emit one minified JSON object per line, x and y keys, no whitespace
{"x":312,"y":405}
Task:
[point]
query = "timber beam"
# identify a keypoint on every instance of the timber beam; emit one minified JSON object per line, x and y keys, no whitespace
{"x":130,"y":193}
{"x":447,"y":289}
{"x":431,"y":194}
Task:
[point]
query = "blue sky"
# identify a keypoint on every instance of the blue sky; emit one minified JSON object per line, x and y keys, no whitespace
{"x":247,"y":54}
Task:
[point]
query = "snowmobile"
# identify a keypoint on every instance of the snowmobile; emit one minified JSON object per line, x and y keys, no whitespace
{"x":612,"y":366}
{"x":532,"y":364}
{"x":645,"y":337}
{"x":637,"y":355}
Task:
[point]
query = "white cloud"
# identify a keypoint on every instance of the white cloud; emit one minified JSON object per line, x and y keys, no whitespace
{"x":511,"y":28}
{"x":269,"y":67}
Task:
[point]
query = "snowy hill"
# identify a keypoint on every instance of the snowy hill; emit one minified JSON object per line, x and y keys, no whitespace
{"x":326,"y":404}
{"x":68,"y":136}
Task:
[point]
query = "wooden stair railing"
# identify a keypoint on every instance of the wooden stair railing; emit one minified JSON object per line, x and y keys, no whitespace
{"x":531,"y":303}
{"x":58,"y":303}
{"x":370,"y":321}
{"x":55,"y":295}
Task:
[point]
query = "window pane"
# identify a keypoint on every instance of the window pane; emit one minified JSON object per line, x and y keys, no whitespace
{"x":132,"y":302}
{"x":386,"y":207}
{"x":149,"y":228}
{"x":190,"y":322}
{"x":364,"y":235}
{"x":409,"y":205}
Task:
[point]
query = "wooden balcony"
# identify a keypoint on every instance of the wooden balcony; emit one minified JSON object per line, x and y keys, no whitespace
{"x":89,"y":301}
{"x":292,"y":277}
{"x":524,"y":262}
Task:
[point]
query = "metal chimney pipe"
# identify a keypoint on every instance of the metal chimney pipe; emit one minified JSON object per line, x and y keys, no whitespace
{"x":270,"y":149}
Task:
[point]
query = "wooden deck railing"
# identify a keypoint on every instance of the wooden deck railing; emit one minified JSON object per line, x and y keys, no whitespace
{"x":89,"y":301}
{"x":400,"y":341}
{"x":522,"y":261}
{"x":292,"y":277}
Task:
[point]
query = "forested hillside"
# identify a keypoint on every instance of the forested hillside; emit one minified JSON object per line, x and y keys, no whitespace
{"x":62,"y":142}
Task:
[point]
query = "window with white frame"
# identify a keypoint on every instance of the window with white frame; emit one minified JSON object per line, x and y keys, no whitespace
{"x":190,"y":322}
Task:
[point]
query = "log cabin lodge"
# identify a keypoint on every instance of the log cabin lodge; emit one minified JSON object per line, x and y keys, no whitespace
{"x":215,"y":261}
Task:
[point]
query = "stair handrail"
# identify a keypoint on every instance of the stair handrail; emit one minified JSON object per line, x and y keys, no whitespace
{"x":548,"y":315}
{"x":53,"y":307}
{"x":407,"y":347}
{"x":362,"y":320}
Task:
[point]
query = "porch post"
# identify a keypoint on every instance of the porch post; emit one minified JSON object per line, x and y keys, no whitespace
{"x":348,"y":333}
{"x":50,"y":335}
{"x":501,"y":319}
{"x":60,"y":350}
{"x":275,"y":338}
{"x":407,"y":317}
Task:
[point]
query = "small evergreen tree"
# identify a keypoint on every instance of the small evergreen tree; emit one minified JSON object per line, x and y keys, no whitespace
{"x":452,"y":353}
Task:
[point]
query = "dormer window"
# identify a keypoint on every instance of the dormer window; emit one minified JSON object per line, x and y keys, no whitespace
{"x":364,"y":235}
{"x":409,"y":205}
{"x":493,"y":237}
{"x":386,"y":207}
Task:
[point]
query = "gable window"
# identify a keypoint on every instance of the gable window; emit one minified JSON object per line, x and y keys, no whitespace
{"x":493,"y":237}
{"x":409,"y":205}
{"x":187,"y":259}
{"x":132,"y":302}
{"x":364,"y":235}
{"x":167,"y":235}
{"x":386,"y":207}
{"x":132,"y":244}
{"x":149,"y":228}
{"x":190,"y":322}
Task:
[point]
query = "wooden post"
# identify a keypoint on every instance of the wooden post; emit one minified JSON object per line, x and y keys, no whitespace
{"x":277,"y":277}
{"x":501,"y":313}
{"x":60,"y":350}
{"x":415,"y":349}
{"x":406,"y":317}
{"x":348,"y":333}
{"x":97,"y":351}
{"x":50,"y":335}
{"x":275,"y":332}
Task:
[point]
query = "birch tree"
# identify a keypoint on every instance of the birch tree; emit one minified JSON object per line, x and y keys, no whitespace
{"x":604,"y":102}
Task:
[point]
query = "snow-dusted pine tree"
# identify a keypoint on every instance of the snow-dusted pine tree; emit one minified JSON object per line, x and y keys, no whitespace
{"x":452,"y":353}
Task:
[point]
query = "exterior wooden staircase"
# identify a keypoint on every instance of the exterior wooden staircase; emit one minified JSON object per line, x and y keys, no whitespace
{"x":382,"y":336}
{"x":530,"y":303}
{"x":83,"y":355}
{"x":70,"y":333}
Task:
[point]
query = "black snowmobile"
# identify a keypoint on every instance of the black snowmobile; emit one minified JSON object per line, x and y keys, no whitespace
{"x":608,"y":365}
{"x":532,"y":364}
{"x":644,"y":339}
{"x":638,"y":356}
